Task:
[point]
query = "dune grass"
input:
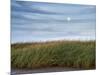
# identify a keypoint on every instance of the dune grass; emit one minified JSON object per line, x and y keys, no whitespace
{"x":77,"y":54}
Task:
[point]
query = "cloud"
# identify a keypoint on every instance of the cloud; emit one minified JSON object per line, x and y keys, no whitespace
{"x":40,"y":21}
{"x":51,"y":8}
{"x":24,"y":8}
{"x":28,"y":12}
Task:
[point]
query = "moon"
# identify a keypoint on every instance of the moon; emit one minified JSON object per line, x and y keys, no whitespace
{"x":68,"y":19}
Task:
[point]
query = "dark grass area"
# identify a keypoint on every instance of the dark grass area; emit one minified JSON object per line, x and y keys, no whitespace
{"x":72,"y":54}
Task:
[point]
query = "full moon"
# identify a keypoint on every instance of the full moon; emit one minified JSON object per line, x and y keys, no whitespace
{"x":68,"y":18}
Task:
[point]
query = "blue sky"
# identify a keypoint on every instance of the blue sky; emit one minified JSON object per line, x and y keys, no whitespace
{"x":39,"y":21}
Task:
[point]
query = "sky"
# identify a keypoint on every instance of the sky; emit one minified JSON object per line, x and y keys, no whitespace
{"x":40,"y":21}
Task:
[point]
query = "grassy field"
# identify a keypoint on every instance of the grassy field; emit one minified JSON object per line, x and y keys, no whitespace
{"x":77,"y":54}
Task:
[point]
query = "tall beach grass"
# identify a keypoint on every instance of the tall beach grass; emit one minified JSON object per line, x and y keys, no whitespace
{"x":74,"y":54}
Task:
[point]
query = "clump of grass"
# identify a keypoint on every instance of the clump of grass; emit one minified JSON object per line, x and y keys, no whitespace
{"x":77,"y":54}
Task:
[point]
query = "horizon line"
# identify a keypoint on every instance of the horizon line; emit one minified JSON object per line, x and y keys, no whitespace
{"x":43,"y":41}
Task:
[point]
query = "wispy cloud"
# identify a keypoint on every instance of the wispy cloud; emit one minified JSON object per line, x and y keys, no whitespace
{"x":36,"y":21}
